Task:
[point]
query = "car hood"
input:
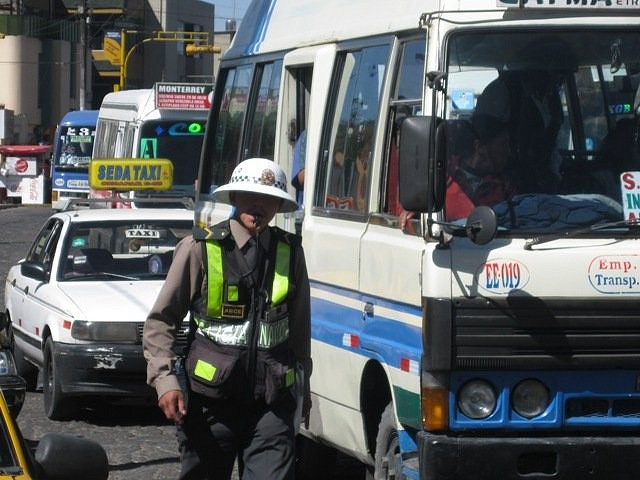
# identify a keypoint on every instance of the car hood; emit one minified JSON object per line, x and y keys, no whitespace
{"x":111,"y":300}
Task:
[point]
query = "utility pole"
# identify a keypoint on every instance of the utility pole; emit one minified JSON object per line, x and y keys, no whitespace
{"x":84,"y":18}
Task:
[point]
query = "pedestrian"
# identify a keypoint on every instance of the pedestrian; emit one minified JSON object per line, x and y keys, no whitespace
{"x":244,"y":285}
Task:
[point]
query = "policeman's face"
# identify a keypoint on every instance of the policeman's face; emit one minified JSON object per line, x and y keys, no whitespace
{"x":254,"y":210}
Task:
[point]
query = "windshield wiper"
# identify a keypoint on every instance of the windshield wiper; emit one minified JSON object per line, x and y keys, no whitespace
{"x":93,"y":276}
{"x":579,"y":231}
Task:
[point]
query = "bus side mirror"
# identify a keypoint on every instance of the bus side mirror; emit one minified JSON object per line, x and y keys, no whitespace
{"x":422,"y":166}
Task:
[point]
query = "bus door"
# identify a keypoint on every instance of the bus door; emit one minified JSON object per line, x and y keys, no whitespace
{"x":336,"y":217}
{"x":302,"y":69}
{"x":391,"y":257}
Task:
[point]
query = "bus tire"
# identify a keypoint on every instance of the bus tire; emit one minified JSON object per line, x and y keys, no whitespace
{"x":387,"y":457}
{"x":314,"y":461}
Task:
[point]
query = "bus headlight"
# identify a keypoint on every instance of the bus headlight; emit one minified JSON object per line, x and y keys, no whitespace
{"x":477,"y":399}
{"x":530,"y":398}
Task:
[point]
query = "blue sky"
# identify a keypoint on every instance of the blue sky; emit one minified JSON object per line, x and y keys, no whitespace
{"x":227,"y":9}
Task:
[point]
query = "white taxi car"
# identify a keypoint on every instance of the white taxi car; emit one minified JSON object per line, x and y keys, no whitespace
{"x":77,"y":302}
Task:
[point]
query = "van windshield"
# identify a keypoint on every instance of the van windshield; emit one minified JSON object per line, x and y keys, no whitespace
{"x":543,"y":127}
{"x":178,"y":140}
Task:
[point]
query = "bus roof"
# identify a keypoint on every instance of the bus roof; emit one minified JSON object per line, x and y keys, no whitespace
{"x":280,"y":25}
{"x":140,"y":104}
{"x":274,"y":25}
{"x":79,"y":117}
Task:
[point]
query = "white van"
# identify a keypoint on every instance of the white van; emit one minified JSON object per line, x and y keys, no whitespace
{"x":166,"y":121}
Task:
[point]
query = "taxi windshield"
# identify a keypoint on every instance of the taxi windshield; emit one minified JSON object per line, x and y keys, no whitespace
{"x":121,"y":250}
{"x":543,"y":127}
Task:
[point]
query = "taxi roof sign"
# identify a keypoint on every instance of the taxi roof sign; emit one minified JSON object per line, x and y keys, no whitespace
{"x":130,"y":174}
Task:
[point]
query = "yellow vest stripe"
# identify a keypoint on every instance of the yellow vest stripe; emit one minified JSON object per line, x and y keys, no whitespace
{"x":215,"y":285}
{"x":281,"y":275}
{"x":215,"y":278}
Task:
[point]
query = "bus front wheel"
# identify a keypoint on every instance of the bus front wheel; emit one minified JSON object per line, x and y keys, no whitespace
{"x":387,"y":457}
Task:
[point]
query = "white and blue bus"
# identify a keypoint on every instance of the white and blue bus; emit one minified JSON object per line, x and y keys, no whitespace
{"x":497,"y":334}
{"x":72,"y":147}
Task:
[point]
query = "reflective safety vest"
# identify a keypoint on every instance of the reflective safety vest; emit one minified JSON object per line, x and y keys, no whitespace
{"x":228,"y":313}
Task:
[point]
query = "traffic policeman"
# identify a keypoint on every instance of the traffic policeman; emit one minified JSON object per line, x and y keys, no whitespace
{"x":233,"y":394}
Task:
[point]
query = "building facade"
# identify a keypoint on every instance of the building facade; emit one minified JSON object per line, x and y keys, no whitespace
{"x":62,"y":55}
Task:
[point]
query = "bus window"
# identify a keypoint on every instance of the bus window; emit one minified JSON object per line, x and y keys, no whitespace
{"x":106,"y":136}
{"x":262,"y":128}
{"x":350,"y":138}
{"x":233,"y":107}
{"x":405,"y":100}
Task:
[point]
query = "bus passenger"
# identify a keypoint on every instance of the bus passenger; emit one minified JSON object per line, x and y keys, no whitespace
{"x":297,"y":169}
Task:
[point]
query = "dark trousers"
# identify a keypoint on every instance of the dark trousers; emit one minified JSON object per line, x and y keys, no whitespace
{"x":216,"y":432}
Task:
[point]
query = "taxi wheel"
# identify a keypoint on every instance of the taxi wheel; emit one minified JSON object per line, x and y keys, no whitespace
{"x":25,"y":369}
{"x":56,"y":405}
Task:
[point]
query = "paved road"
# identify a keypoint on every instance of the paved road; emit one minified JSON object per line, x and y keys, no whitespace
{"x":140,"y":444}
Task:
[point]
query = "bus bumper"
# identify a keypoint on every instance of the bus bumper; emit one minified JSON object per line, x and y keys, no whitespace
{"x":567,"y":458}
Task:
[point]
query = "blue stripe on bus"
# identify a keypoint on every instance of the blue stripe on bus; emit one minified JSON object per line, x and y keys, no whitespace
{"x":380,"y":337}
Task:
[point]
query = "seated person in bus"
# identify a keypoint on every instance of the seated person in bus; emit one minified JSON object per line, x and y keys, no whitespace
{"x":537,"y":117}
{"x":348,"y":186}
{"x":477,"y":166}
{"x":297,"y":169}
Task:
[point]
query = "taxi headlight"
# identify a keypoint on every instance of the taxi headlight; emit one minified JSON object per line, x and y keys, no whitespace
{"x":530,"y":398}
{"x":477,"y":399}
{"x":104,"y":331}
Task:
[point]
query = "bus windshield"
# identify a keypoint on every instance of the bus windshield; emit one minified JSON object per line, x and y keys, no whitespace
{"x":74,"y":147}
{"x":543,"y":128}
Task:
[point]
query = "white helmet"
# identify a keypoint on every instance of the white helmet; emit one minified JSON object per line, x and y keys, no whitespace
{"x":258,"y":175}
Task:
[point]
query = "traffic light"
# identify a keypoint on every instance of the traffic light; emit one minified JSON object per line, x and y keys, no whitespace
{"x":191,"y":49}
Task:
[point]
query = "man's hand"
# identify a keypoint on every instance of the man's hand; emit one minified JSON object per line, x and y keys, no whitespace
{"x":173,"y":406}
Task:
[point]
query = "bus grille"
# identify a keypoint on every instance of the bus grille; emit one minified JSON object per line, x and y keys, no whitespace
{"x":521,"y":333}
{"x":602,"y":408}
